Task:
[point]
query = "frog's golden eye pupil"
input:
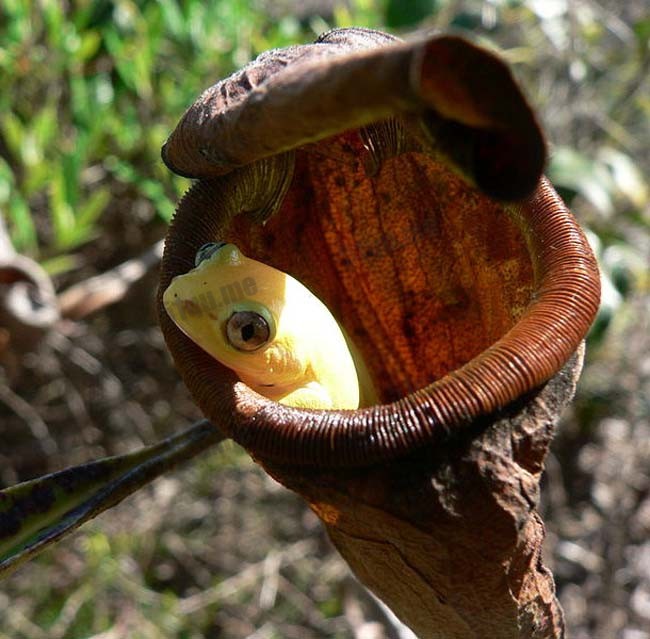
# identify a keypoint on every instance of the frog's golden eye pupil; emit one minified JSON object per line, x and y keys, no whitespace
{"x":247,"y":331}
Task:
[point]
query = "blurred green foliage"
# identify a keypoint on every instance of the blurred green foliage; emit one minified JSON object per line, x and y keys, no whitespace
{"x":89,"y":91}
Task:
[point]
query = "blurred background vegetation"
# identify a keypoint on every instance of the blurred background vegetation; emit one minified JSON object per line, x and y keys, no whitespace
{"x":89,"y":90}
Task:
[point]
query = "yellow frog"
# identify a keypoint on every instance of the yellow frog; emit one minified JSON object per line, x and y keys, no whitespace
{"x":278,"y":337}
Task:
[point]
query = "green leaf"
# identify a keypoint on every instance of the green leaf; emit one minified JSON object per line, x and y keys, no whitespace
{"x":45,"y":126}
{"x":93,"y":207}
{"x":23,"y":231}
{"x":71,"y":164}
{"x":155,"y":192}
{"x":6,"y":181}
{"x":83,"y":107}
{"x":37,"y":178}
{"x":61,"y":211}
{"x":642,"y":32}
{"x":73,"y":219}
{"x":173,"y":18}
{"x":40,"y":512}
{"x":152,"y":189}
{"x":52,"y":12}
{"x":60,"y":264}
{"x":133,"y":58}
{"x":14,"y":133}
{"x":19,"y":20}
{"x":89,"y":46}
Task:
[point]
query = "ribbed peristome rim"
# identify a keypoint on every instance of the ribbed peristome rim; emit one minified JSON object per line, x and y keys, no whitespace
{"x":564,"y":302}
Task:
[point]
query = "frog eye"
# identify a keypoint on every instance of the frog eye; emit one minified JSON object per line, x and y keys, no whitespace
{"x":247,"y":331}
{"x":206,"y":251}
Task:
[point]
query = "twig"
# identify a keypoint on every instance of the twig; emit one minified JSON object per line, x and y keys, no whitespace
{"x":301,"y":602}
{"x":23,"y":625}
{"x":27,"y":301}
{"x":111,"y":633}
{"x":25,"y":411}
{"x":264,"y":632}
{"x":93,"y":294}
{"x":613,"y":22}
{"x":70,"y":611}
{"x":194,"y":603}
{"x":269,"y":590}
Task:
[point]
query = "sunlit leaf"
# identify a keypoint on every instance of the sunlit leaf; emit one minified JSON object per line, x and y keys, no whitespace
{"x":173,"y":17}
{"x":52,"y":11}
{"x":13,"y":131}
{"x":627,"y":177}
{"x":61,"y":211}
{"x":573,"y":170}
{"x":45,"y":126}
{"x":6,"y":181}
{"x":93,"y":207}
{"x":14,"y":205}
{"x":18,"y":20}
{"x":60,"y":264}
{"x":83,"y":107}
{"x":152,"y":189}
{"x":89,"y":45}
{"x":23,"y":231}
